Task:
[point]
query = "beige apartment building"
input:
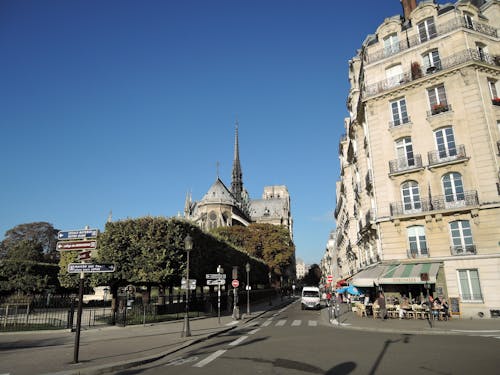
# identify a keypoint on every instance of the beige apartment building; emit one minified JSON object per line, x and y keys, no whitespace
{"x":418,"y":201}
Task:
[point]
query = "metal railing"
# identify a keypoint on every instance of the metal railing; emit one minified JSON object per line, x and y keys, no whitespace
{"x":447,"y":156}
{"x":399,"y":123}
{"x":405,"y":164}
{"x":438,"y":109}
{"x":463,"y":250}
{"x":422,"y":253}
{"x":440,"y":202}
{"x":414,"y":40}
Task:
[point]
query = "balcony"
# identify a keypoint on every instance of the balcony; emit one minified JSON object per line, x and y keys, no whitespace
{"x":410,"y":208}
{"x":414,"y":40}
{"x":400,"y":122}
{"x":415,"y":253}
{"x":442,"y":157}
{"x":463,"y":250}
{"x":459,"y":58}
{"x":438,"y":109}
{"x":405,"y":165}
{"x":460,"y":201}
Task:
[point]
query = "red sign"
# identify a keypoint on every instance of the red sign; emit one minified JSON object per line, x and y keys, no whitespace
{"x":76,"y":245}
{"x":329,"y":278}
{"x":84,"y":255}
{"x":235,"y":283}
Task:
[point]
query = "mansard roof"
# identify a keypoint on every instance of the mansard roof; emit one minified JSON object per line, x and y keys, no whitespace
{"x":219,"y":193}
{"x":267,"y":207}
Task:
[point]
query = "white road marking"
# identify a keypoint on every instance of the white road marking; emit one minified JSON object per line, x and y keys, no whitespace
{"x":475,"y":331}
{"x":281,"y":323}
{"x":296,"y":323}
{"x":232,"y":323}
{"x":312,"y":323}
{"x":253,"y":332}
{"x":238,"y":341}
{"x":266,"y":323}
{"x":210,"y":358}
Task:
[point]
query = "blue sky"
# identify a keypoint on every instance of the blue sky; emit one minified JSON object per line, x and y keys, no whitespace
{"x":128,"y":105}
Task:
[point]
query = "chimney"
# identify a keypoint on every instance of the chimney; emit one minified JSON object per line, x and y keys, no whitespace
{"x":408,"y":7}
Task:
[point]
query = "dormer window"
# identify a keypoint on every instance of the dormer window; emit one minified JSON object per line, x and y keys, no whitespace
{"x":391,"y":44}
{"x":427,"y":30}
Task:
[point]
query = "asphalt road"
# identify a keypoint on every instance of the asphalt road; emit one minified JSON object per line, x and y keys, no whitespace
{"x":292,"y":341}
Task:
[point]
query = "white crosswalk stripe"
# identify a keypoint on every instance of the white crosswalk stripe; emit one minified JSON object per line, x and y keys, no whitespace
{"x":281,"y":323}
{"x":296,"y":323}
{"x":313,"y":323}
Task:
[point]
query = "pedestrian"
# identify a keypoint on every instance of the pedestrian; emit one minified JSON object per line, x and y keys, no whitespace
{"x":382,"y":306}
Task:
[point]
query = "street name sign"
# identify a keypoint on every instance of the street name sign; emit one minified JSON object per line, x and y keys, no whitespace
{"x":216,"y":281}
{"x":76,"y":245}
{"x":90,"y":267}
{"x":79,"y":234}
{"x":215,"y":275}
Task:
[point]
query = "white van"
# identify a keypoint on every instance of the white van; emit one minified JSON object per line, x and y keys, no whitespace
{"x":310,"y":298}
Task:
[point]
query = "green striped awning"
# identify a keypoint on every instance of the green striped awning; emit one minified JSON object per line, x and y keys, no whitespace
{"x":403,"y":273}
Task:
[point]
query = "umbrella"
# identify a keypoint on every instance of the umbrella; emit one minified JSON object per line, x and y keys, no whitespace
{"x":351,"y":289}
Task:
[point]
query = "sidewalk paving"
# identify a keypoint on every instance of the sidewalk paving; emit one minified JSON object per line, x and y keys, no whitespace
{"x":109,"y":349}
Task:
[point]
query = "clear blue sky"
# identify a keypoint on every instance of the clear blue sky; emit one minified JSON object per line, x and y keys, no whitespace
{"x":127,"y":105}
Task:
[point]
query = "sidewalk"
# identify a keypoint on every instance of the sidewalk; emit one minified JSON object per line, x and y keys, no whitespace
{"x":454,"y":326}
{"x":110,"y":348}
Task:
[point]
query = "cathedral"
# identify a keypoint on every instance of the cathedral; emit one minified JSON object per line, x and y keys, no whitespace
{"x":221,"y":206}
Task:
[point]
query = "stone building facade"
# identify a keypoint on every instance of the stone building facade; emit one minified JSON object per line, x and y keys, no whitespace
{"x":418,"y":201}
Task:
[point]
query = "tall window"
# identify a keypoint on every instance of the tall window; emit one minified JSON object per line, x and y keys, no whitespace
{"x":398,"y":111}
{"x":427,"y":30}
{"x":445,"y":143}
{"x":492,"y":84}
{"x":482,"y":51}
{"x":391,"y":44}
{"x":468,"y":20}
{"x":453,"y":190}
{"x":470,"y":288}
{"x":461,"y":237}
{"x":404,"y":153}
{"x":437,"y":95}
{"x":417,"y":241}
{"x":431,"y":61}
{"x":394,"y":75}
{"x":410,"y":194}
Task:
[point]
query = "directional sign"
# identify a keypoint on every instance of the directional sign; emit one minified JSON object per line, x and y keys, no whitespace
{"x":76,"y":245}
{"x":83,"y":255}
{"x":90,"y":267}
{"x":79,"y":234}
{"x":216,"y":281}
{"x":215,"y":275}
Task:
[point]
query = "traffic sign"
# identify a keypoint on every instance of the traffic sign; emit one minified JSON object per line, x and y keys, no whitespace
{"x":215,"y":275}
{"x":83,"y":255}
{"x":235,"y":283}
{"x":329,"y":278}
{"x":90,"y":267}
{"x":79,"y":234}
{"x":76,"y":245}
{"x":192,"y":284}
{"x":216,"y":281}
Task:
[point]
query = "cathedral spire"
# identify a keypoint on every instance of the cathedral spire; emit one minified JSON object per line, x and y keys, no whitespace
{"x":237,"y":181}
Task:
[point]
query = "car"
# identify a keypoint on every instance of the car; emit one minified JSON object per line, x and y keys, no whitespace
{"x":310,"y":298}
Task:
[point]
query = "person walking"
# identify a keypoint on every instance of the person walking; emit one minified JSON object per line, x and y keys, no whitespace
{"x":382,"y":306}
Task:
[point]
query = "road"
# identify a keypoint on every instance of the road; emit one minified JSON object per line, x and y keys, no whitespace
{"x":292,"y":341}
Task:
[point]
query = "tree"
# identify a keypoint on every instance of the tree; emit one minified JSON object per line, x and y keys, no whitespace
{"x":23,"y":271}
{"x":313,"y":276}
{"x":42,"y":233}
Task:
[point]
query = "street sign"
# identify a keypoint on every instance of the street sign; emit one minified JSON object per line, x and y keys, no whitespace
{"x":329,"y":278}
{"x":76,"y":245}
{"x":215,"y":275}
{"x":192,"y":284}
{"x":83,"y":255}
{"x":90,"y":267}
{"x":235,"y":283}
{"x":216,"y":281}
{"x":79,"y":234}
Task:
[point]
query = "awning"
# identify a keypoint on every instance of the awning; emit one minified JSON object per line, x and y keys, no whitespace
{"x":351,"y":289}
{"x":368,"y":277}
{"x":402,"y":273}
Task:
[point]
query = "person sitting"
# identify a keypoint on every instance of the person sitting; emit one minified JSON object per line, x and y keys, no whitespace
{"x":446,"y":309}
{"x":436,"y":306}
{"x":403,"y":307}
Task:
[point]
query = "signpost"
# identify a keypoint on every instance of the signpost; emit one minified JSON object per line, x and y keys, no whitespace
{"x":90,"y":267}
{"x":192,"y":284}
{"x":76,"y":245}
{"x":218,"y":279}
{"x":78,"y":234}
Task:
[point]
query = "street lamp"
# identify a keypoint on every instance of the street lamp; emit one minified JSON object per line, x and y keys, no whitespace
{"x":188,"y":246}
{"x":247,"y":268}
{"x":270,"y":293}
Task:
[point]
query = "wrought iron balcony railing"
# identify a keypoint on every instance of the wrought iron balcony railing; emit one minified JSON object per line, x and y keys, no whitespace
{"x":405,"y":164}
{"x":439,"y":108}
{"x":447,"y":156}
{"x":400,"y":122}
{"x":410,"y":208}
{"x":414,"y":253}
{"x":463,"y":250}
{"x":414,"y":40}
{"x":454,"y":60}
{"x":436,"y":203}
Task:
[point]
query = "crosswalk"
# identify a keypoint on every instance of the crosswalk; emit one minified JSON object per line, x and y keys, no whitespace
{"x":289,"y":323}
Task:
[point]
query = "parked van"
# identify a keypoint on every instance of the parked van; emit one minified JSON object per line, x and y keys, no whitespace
{"x":310,"y":298}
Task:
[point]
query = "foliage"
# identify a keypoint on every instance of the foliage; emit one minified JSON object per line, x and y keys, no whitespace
{"x":22,"y":269}
{"x":271,"y":243}
{"x":40,"y":232}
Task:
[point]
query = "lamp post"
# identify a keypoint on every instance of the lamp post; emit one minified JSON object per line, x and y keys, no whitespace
{"x":247,"y":268}
{"x":220,"y":271}
{"x":188,"y":246}
{"x":270,"y":294}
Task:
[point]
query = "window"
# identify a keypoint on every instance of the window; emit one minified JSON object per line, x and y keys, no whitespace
{"x":399,"y":113}
{"x":431,"y":61}
{"x":391,"y":44}
{"x":469,"y":286}
{"x":469,"y":22}
{"x":416,"y":240}
{"x":394,"y":75}
{"x":461,"y":237}
{"x":427,"y":30}
{"x":453,"y":190}
{"x":437,"y":99}
{"x":410,"y":194}
{"x":492,"y":84}
{"x":482,"y":51}
{"x":404,"y":153}
{"x":445,"y":143}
